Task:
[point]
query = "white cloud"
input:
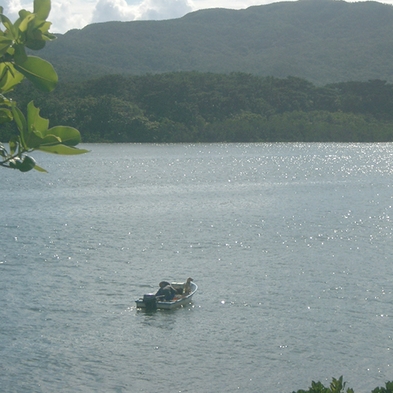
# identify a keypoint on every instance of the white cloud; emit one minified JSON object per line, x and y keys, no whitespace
{"x":120,"y":10}
{"x":231,"y":4}
{"x":72,"y":14}
{"x":114,"y":10}
{"x":164,"y":9}
{"x":64,"y":15}
{"x":12,"y":7}
{"x":75,"y":14}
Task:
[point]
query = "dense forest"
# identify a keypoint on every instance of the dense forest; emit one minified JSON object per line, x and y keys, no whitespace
{"x":208,"y":107}
{"x":322,"y":41}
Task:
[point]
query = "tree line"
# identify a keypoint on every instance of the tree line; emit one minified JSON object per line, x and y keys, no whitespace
{"x":208,"y":107}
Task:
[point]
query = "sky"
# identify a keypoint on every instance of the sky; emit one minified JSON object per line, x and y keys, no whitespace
{"x":76,"y":14}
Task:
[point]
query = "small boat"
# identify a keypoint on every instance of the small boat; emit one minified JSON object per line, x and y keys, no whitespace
{"x":149,"y":301}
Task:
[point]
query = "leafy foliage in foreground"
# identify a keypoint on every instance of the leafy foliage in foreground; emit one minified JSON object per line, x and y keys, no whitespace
{"x":338,"y":386}
{"x":206,"y":107}
{"x":31,"y":31}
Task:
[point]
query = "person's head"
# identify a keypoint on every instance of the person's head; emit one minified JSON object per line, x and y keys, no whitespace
{"x":163,"y":284}
{"x":189,"y":279}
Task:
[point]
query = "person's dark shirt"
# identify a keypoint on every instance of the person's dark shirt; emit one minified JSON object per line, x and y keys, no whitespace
{"x":167,"y":292}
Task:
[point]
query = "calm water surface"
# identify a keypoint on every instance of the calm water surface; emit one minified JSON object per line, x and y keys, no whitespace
{"x":290,"y":244}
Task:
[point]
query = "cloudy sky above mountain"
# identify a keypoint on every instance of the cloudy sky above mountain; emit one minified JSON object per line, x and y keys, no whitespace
{"x":75,"y":14}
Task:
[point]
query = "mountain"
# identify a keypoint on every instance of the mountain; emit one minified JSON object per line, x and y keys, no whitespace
{"x":323,"y":41}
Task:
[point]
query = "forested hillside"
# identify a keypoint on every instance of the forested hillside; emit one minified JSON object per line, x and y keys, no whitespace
{"x":207,"y":107}
{"x":323,"y":41}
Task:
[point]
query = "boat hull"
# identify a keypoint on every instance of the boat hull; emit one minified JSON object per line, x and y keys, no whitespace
{"x":179,"y":301}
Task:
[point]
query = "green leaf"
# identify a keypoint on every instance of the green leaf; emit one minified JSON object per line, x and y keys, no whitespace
{"x":62,"y":149}
{"x":20,"y":120}
{"x":20,"y":55}
{"x":34,"y":121}
{"x":37,"y":128}
{"x":5,"y":43}
{"x":68,"y":135}
{"x":13,"y":143}
{"x":37,"y":34}
{"x":39,"y":169}
{"x":34,"y":140}
{"x":27,"y":164}
{"x":50,"y":140}
{"x":9,"y":77}
{"x":38,"y":71}
{"x":35,"y":44}
{"x":25,"y":19}
{"x":9,"y":26}
{"x":44,"y":28}
{"x":5,"y":115}
{"x":22,"y":15}
{"x":42,"y":8}
{"x":30,"y":137}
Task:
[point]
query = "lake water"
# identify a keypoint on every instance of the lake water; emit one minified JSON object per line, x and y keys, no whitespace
{"x":290,"y":244}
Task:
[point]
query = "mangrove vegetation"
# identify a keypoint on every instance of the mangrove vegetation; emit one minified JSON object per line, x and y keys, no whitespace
{"x":207,"y":107}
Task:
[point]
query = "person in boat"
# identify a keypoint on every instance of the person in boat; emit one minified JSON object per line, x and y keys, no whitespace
{"x":187,"y":286}
{"x":166,"y":291}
